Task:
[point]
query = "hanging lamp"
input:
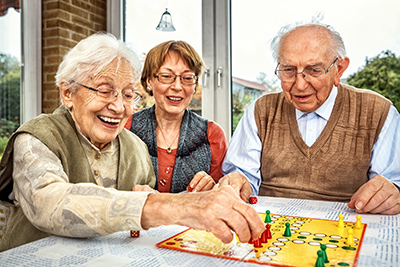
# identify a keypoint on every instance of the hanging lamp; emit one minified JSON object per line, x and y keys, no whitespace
{"x":166,"y":22}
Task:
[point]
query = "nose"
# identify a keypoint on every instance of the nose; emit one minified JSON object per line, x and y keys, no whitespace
{"x":117,"y":104}
{"x":177,"y":84}
{"x":301,"y":82}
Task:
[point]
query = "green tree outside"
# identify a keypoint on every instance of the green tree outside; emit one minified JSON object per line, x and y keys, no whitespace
{"x":380,"y":74}
{"x":10,"y":75}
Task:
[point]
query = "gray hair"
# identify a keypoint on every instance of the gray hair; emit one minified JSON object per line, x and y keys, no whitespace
{"x":92,"y":54}
{"x":337,"y":45}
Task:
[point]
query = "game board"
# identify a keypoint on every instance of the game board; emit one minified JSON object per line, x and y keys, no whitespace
{"x":300,"y":249}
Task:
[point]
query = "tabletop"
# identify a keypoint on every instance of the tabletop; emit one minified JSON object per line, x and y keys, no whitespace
{"x":380,"y":247}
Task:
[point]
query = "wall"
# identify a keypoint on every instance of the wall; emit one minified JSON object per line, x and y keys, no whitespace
{"x":64,"y":24}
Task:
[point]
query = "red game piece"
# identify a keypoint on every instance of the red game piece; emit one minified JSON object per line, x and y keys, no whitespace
{"x":266,"y":234}
{"x":253,"y":200}
{"x":257,"y":243}
{"x":135,"y":234}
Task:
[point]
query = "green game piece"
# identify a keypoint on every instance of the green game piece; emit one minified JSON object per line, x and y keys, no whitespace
{"x":320,"y":260}
{"x":267,"y":217}
{"x":287,"y":233}
{"x":323,"y":247}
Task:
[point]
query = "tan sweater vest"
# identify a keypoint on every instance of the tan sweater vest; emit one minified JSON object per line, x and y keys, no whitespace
{"x":336,"y":165}
{"x":58,"y":132}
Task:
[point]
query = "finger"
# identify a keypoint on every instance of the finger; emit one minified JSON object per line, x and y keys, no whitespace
{"x":255,"y":226}
{"x":206,"y":183}
{"x":366,"y":192}
{"x":246,"y":192}
{"x":196,"y":179}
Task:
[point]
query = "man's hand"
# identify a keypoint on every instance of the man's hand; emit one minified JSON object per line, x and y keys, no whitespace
{"x":143,"y":188}
{"x":378,"y":195}
{"x":201,"y":182}
{"x":239,"y":183}
{"x":218,"y":211}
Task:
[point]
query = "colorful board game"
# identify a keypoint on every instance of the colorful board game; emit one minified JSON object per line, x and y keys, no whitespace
{"x":288,"y":241}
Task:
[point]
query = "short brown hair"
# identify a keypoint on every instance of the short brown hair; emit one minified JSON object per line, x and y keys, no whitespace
{"x":156,"y":57}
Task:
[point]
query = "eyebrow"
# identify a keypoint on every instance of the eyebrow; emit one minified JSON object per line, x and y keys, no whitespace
{"x":314,"y":64}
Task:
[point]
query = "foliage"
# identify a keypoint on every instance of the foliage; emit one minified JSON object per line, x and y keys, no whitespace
{"x":380,"y":74}
{"x":240,"y":101}
{"x":10,"y":75}
{"x":3,"y":144}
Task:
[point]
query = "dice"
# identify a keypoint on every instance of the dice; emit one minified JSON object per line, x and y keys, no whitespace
{"x":253,"y":200}
{"x":135,"y":234}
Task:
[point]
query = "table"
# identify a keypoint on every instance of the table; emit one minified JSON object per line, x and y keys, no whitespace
{"x":381,"y":245}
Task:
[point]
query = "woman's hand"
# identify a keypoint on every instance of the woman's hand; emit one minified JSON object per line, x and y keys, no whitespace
{"x":201,"y":182}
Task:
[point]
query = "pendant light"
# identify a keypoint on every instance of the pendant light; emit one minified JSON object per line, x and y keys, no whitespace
{"x":165,"y":22}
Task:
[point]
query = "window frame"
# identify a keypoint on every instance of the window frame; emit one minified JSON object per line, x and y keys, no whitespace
{"x":31,"y":60}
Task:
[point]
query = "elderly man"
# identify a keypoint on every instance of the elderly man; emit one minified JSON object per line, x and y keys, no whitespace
{"x":79,"y":173}
{"x":319,"y":139}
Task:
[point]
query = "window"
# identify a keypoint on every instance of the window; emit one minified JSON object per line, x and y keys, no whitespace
{"x":10,"y":71}
{"x":141,"y":20}
{"x":234,"y":40}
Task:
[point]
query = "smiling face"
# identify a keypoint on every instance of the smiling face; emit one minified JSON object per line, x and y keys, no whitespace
{"x":97,"y":120}
{"x":172,"y":99}
{"x":303,"y":48}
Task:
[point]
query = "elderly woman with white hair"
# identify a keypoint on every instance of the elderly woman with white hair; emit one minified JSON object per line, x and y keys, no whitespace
{"x":79,"y":173}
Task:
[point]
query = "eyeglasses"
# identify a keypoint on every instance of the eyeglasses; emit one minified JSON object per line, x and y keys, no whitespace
{"x":107,"y":94}
{"x":288,"y":74}
{"x":168,"y":78}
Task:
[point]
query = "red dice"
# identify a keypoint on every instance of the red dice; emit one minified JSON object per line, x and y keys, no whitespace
{"x":253,"y":200}
{"x":135,"y":234}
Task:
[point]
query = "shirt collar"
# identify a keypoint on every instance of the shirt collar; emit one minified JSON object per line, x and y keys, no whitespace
{"x":325,"y":110}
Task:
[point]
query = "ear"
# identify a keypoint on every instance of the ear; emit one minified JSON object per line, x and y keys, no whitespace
{"x":66,"y":93}
{"x":341,"y":66}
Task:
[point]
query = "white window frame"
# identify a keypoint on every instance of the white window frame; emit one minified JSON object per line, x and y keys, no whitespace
{"x":31,"y":59}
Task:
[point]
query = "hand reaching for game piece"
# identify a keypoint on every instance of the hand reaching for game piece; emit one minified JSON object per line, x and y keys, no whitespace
{"x":239,"y":183}
{"x":201,"y":182}
{"x":378,"y":195}
{"x":218,"y":211}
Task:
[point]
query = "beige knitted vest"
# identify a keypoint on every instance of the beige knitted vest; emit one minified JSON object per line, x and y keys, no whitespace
{"x":336,"y":165}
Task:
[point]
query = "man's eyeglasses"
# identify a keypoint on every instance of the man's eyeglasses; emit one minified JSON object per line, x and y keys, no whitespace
{"x":168,"y":78}
{"x":288,"y":74}
{"x":107,"y":94}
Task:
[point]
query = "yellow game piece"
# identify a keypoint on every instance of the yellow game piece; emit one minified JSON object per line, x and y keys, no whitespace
{"x":358,"y":224}
{"x":350,"y":240}
{"x":340,"y":223}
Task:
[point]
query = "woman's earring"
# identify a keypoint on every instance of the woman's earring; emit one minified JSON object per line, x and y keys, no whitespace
{"x":148,"y":89}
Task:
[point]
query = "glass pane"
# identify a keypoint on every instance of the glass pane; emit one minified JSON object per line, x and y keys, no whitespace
{"x":10,"y":74}
{"x":368,"y":27}
{"x":141,"y":20}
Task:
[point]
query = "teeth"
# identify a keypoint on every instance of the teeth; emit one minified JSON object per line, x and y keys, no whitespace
{"x":175,"y":98}
{"x":107,"y":119}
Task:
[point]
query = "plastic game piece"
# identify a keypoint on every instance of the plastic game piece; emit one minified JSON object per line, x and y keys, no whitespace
{"x":268,"y":229}
{"x":350,"y":240}
{"x":257,"y":243}
{"x":253,"y":200}
{"x":288,"y":232}
{"x":266,"y":234}
{"x":340,"y":222}
{"x":358,"y":224}
{"x":323,"y":248}
{"x":267,"y":217}
{"x":135,"y":234}
{"x":320,"y":260}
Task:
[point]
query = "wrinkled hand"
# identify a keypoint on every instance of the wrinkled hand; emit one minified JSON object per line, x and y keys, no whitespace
{"x":218,"y":211}
{"x":239,"y":183}
{"x":378,"y":195}
{"x":143,"y":188}
{"x":201,"y":182}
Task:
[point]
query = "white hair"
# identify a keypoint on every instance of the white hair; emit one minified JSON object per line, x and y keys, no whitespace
{"x":337,"y":45}
{"x":92,"y":54}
